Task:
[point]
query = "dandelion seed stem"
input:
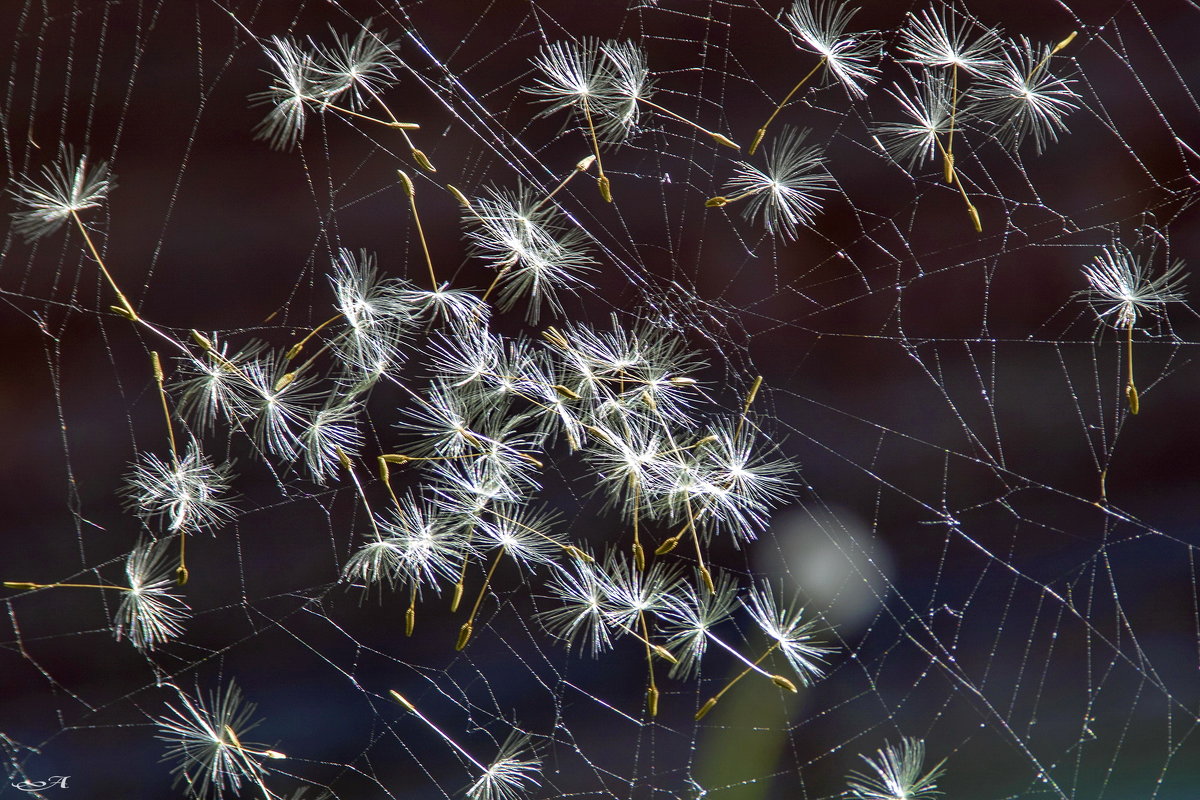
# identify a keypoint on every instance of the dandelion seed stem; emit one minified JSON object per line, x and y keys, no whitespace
{"x":403,"y":126}
{"x":972,"y":211}
{"x":1053,"y":51}
{"x":723,"y":140}
{"x":156,"y":364}
{"x":418,"y":156}
{"x":181,"y":572}
{"x":125,"y":308}
{"x":397,"y":458}
{"x":704,"y":573}
{"x":750,"y":395}
{"x":412,"y":201}
{"x":566,"y":548}
{"x":410,"y":616}
{"x":602,"y":180}
{"x":734,"y":652}
{"x":32,"y":586}
{"x":298,"y":346}
{"x":582,"y":166}
{"x":639,"y":555}
{"x":233,"y":739}
{"x":948,"y":153}
{"x":762,"y":132}
{"x":720,"y":201}
{"x":385,"y":474}
{"x":683,"y":448}
{"x":348,"y":465}
{"x":716,"y":698}
{"x":500,"y":273}
{"x":402,"y":700}
{"x":468,"y":626}
{"x":1131,"y":392}
{"x":652,"y":689}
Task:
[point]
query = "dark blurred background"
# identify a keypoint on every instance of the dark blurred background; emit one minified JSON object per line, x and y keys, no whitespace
{"x":951,"y":404}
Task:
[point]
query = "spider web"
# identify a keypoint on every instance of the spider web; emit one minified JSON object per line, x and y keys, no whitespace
{"x":1001,"y":556}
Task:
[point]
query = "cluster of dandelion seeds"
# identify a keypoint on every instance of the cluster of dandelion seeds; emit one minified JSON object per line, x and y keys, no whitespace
{"x":544,"y":463}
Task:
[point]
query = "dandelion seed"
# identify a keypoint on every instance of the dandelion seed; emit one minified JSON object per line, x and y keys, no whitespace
{"x":534,"y":251}
{"x":217,"y":387}
{"x":417,"y":545}
{"x":575,"y":76}
{"x":1023,"y":99}
{"x":1120,"y":286}
{"x":362,"y":66}
{"x":188,"y":495}
{"x":784,"y":196}
{"x":377,"y":312}
{"x":632,"y":594}
{"x":454,"y":306}
{"x":303,"y":78}
{"x":624,"y":466}
{"x":579,"y":589}
{"x":295,"y":85}
{"x":628,"y":84}
{"x":506,"y":778}
{"x":328,"y":431}
{"x":929,"y":110}
{"x":472,"y":360}
{"x":1120,"y":289}
{"x":741,"y":484}
{"x":376,"y":562}
{"x":942,"y":39}
{"x":791,"y":635}
{"x":469,"y":489}
{"x":631,"y":87}
{"x":68,"y":187}
{"x":520,"y":534}
{"x":446,"y":422}
{"x":150,"y":613}
{"x":279,"y":402}
{"x":689,"y":619}
{"x":819,"y":26}
{"x":895,"y":774}
{"x":205,"y":741}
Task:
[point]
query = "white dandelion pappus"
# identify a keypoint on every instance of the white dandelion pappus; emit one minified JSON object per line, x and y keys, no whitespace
{"x":295,"y":85}
{"x":928,"y":108}
{"x":505,"y":778}
{"x":150,"y":613}
{"x":188,"y":494}
{"x":1120,"y":286}
{"x":785,"y":196}
{"x":791,"y":633}
{"x":67,"y":186}
{"x":362,"y":66}
{"x":820,"y":26}
{"x":1024,"y":100}
{"x":895,"y":774}
{"x":943,"y":38}
{"x":205,"y":741}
